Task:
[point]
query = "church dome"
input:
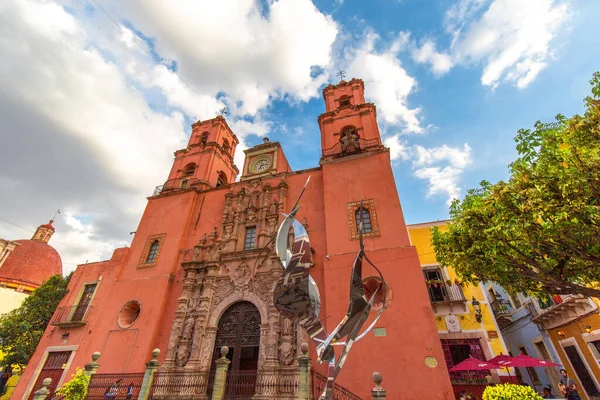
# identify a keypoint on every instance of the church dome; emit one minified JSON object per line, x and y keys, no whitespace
{"x":32,"y":261}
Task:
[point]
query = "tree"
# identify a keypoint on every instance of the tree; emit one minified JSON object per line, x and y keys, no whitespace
{"x":539,"y":232}
{"x":22,"y":328}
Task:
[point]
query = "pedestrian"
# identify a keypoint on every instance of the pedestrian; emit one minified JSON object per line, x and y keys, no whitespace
{"x":547,"y":393}
{"x":112,"y":391}
{"x":568,"y":387}
{"x":129,"y":391}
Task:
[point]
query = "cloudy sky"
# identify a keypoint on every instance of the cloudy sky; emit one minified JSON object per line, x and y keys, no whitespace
{"x":95,"y":95}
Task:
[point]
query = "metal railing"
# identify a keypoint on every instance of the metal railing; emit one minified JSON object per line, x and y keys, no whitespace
{"x":177,"y":185}
{"x":75,"y":315}
{"x":444,"y":293}
{"x":181,"y":385}
{"x":318,"y":384}
{"x":117,"y":384}
{"x":500,"y":308}
{"x":360,"y":146}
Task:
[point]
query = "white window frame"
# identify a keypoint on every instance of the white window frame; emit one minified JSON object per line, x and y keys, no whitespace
{"x":572,"y":342}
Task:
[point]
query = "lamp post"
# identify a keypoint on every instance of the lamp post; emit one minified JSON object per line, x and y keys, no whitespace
{"x":477,"y":307}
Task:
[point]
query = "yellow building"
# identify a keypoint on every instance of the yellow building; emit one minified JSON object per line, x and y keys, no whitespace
{"x":24,"y":265}
{"x":465,"y":321}
{"x":573,"y":324}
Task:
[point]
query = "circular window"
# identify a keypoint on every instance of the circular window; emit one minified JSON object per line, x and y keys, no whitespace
{"x":370,"y":285}
{"x":129,"y":314}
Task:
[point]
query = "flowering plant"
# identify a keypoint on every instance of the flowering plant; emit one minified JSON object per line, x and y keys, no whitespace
{"x":77,"y":387}
{"x":509,"y":391}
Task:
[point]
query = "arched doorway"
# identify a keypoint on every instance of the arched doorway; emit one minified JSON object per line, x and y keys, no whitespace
{"x":239,"y":329}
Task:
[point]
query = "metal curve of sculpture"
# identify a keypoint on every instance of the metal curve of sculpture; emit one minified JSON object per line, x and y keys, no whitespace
{"x":296,"y":295}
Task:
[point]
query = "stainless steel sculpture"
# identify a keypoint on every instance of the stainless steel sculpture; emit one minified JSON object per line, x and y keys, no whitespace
{"x":296,"y":295}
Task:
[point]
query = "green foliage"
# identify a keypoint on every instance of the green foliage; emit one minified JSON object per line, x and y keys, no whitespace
{"x":509,"y":391}
{"x":539,"y":232}
{"x":22,"y":328}
{"x":77,"y":387}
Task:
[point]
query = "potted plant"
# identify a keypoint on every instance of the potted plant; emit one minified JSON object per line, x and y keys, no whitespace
{"x":428,"y":283}
{"x":448,"y":282}
{"x":435,"y":282}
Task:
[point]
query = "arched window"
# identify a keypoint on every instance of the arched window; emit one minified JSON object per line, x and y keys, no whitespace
{"x":350,"y":139}
{"x":226,"y":145}
{"x":189,"y":169}
{"x":204,"y":138}
{"x":344,"y":101}
{"x":363,"y":215}
{"x":153,"y":252}
{"x":221,"y":179}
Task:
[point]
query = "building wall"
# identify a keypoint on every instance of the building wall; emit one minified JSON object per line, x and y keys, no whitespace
{"x":459,"y":320}
{"x":10,"y":299}
{"x":575,"y":332}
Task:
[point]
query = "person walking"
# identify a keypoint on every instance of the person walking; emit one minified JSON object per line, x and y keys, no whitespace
{"x":129,"y":391}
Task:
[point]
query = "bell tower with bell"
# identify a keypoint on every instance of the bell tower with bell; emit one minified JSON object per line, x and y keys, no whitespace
{"x":349,"y":124}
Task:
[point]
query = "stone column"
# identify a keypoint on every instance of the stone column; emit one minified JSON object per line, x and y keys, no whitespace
{"x":378,"y":392}
{"x":304,"y":375}
{"x":151,"y":367}
{"x":221,"y":375}
{"x":92,"y":367}
{"x":41,"y":394}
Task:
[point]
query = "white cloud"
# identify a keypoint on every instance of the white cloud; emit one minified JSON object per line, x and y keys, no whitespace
{"x":388,"y":82}
{"x":440,"y":63}
{"x":512,"y":38}
{"x":442,"y":167}
{"x":399,"y":150}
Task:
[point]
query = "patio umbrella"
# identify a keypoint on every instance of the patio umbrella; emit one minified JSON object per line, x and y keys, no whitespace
{"x":523,"y":360}
{"x":504,"y":361}
{"x":473,"y":364}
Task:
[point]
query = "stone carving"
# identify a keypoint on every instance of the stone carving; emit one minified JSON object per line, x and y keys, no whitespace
{"x":224,"y":289}
{"x":240,"y":276}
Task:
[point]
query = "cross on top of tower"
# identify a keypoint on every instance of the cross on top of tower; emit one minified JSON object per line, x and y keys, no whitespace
{"x":223,"y":111}
{"x":341,"y":74}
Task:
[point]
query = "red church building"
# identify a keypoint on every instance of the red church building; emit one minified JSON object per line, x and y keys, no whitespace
{"x":197,"y":276}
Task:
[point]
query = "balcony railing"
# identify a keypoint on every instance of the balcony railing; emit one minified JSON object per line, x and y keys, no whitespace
{"x":502,"y":312}
{"x":360,"y":146}
{"x":443,"y":293}
{"x":571,"y":307}
{"x":71,"y":317}
{"x":179,"y":184}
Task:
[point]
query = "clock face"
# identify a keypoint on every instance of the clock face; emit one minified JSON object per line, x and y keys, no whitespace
{"x":261,"y":165}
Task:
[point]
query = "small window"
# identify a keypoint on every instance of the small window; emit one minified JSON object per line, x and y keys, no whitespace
{"x":250,"y":238}
{"x":221,"y":179}
{"x":515,"y":300}
{"x":363,"y":216}
{"x":183,"y":184}
{"x":153,"y":252}
{"x":129,"y":314}
{"x":344,"y":101}
{"x":204,"y":138}
{"x":189,"y":169}
{"x":226,"y":145}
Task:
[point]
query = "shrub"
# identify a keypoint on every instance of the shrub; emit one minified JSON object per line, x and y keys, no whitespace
{"x":509,"y":391}
{"x":77,"y":387}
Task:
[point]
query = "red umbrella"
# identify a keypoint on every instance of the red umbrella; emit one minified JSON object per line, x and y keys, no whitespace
{"x":502,"y":360}
{"x":473,"y":364}
{"x":526,"y":361}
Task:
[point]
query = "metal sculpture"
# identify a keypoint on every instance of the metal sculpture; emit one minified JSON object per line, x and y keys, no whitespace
{"x":296,"y":295}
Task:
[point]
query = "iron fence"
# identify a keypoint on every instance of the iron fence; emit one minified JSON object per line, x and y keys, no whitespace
{"x":318,"y":384}
{"x":360,"y":145}
{"x":116,"y":386}
{"x":181,"y":385}
{"x":75,"y":315}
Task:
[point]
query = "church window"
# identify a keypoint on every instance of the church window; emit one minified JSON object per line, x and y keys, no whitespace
{"x":226,"y":145}
{"x":349,"y":139}
{"x":189,"y":169}
{"x":129,"y":314}
{"x":151,"y":250}
{"x":365,"y":210}
{"x":183,"y":184}
{"x":204,"y":138}
{"x":363,"y":216}
{"x":249,"y":242}
{"x":344,"y":101}
{"x":221,"y":179}
{"x":84,"y":302}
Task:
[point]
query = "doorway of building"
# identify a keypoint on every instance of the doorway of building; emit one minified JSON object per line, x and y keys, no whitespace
{"x":239,"y":329}
{"x":53,"y":368}
{"x":552,"y":373}
{"x":584,"y":375}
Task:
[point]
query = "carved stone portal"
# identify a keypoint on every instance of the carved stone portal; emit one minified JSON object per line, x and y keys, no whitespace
{"x":222,"y":279}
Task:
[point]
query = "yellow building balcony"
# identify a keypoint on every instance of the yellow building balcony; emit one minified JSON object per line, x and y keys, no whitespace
{"x":442,"y":294}
{"x":570,"y":308}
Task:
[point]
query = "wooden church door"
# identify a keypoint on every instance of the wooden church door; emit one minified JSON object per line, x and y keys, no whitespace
{"x":239,"y":329}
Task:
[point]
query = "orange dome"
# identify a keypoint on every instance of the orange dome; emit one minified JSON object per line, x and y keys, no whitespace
{"x":32,"y":262}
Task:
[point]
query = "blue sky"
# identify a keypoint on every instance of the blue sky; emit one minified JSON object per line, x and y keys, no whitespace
{"x":101,"y":92}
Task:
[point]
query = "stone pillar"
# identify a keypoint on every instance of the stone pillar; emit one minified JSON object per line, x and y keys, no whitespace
{"x":92,"y":367}
{"x":221,"y":375}
{"x":41,"y":394}
{"x":304,"y":375}
{"x":151,"y":367}
{"x":378,"y":392}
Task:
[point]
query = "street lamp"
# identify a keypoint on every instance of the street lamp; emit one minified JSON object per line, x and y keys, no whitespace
{"x":477,"y":307}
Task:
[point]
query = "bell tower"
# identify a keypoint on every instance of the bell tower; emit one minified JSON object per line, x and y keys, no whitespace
{"x":349,"y":124}
{"x":207,"y":161}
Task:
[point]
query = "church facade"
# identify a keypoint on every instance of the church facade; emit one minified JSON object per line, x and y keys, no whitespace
{"x":201,"y":268}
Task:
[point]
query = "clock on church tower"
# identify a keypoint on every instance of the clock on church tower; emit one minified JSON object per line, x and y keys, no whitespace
{"x":265,"y":159}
